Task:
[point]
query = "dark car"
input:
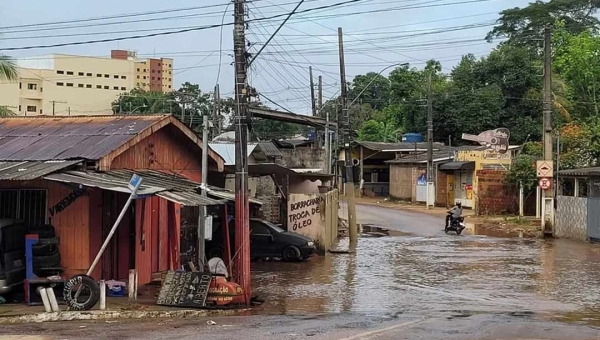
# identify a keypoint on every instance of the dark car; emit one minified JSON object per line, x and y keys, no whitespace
{"x":12,"y":254}
{"x":266,"y":240}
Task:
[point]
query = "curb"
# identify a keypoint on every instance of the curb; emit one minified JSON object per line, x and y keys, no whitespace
{"x":108,"y":315}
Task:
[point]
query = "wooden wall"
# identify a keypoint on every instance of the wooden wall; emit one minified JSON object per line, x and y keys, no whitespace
{"x":401,"y":183}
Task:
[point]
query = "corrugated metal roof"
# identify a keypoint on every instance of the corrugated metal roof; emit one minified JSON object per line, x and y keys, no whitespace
{"x":394,"y":147}
{"x":458,"y":166}
{"x":582,"y":172}
{"x":28,"y":170}
{"x":227,"y":151}
{"x":61,"y":138}
{"x":438,"y":156}
{"x":269,"y":149}
{"x":170,"y":187}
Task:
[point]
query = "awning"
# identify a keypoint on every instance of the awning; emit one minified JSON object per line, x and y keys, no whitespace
{"x":267,"y":169}
{"x":458,"y":166}
{"x":28,"y":170}
{"x":170,"y":187}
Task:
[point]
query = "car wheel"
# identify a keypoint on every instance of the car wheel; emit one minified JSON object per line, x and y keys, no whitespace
{"x":89,"y":293}
{"x":47,"y":261}
{"x":292,"y":253}
{"x":215,"y":252}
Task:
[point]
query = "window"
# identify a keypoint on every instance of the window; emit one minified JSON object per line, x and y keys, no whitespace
{"x":153,"y":71}
{"x":99,"y":86}
{"x":583,"y":187}
{"x":116,"y":76}
{"x":81,"y":73}
{"x":89,"y":86}
{"x":89,"y":74}
{"x":79,"y":85}
{"x":169,"y":66}
{"x":257,"y":228}
{"x":32,"y":86}
{"x":158,"y":78}
{"x":169,"y":86}
{"x":144,"y":77}
{"x":106,"y":87}
{"x":123,"y":77}
{"x":138,"y":84}
{"x":20,"y":86}
{"x":70,"y":84}
{"x":115,"y":88}
{"x":123,"y":89}
{"x":567,"y":186}
{"x":41,"y":89}
{"x":107,"y":76}
{"x":169,"y":79}
{"x":40,"y":111}
{"x":69,"y":73}
{"x":29,"y":205}
{"x":158,"y":64}
{"x":144,"y":70}
{"x":169,"y":72}
{"x":31,"y":108}
{"x":138,"y":77}
{"x":60,"y":84}
{"x":138,"y":70}
{"x":99,"y":75}
{"x":60,"y":72}
{"x":19,"y":108}
{"x":153,"y":78}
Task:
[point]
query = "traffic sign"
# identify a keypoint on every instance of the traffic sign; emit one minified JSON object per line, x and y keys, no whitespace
{"x":545,"y":183}
{"x":545,"y":168}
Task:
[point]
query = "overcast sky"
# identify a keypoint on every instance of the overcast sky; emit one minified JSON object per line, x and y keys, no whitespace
{"x":377,"y":33}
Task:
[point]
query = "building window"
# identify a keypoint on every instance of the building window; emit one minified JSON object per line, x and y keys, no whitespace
{"x":79,"y":85}
{"x":123,"y":89}
{"x":153,"y":78}
{"x":123,"y":77}
{"x":40,"y":111}
{"x":153,"y":71}
{"x":169,"y":79}
{"x":27,"y":205}
{"x":567,"y":186}
{"x":169,"y":65}
{"x":106,"y":87}
{"x":138,"y":77}
{"x":31,"y":108}
{"x":169,"y":86}
{"x":169,"y":72}
{"x":158,"y":78}
{"x":144,"y":77}
{"x":138,"y":84}
{"x":89,"y":86}
{"x":20,"y":86}
{"x":69,"y":73}
{"x":99,"y":75}
{"x":116,"y":76}
{"x":32,"y":86}
{"x":41,"y":89}
{"x":144,"y":70}
{"x":138,"y":70}
{"x":60,"y":84}
{"x":107,"y":76}
{"x":99,"y":86}
{"x":89,"y":74}
{"x":19,"y":108}
{"x":81,"y":73}
{"x":115,"y":87}
{"x":70,"y":84}
{"x":60,"y":72}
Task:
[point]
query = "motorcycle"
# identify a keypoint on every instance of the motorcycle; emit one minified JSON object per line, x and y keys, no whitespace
{"x":456,"y":224}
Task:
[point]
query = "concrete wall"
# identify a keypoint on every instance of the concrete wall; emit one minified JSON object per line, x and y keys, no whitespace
{"x":303,"y":158}
{"x":494,"y":195}
{"x":571,"y":218}
{"x":315,"y":216}
{"x":401,"y":184}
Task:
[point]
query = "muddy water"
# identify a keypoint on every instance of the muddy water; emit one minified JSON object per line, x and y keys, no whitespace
{"x":445,"y":275}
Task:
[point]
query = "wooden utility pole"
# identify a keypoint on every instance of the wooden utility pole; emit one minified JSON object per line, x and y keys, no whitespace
{"x":349,"y":184}
{"x":327,"y":137}
{"x":242,"y":216}
{"x":548,"y":204}
{"x":312,"y":92}
{"x":217,"y":120}
{"x":202,"y":209}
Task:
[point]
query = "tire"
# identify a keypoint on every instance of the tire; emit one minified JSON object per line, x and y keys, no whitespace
{"x":458,"y":231}
{"x":46,"y":231}
{"x":291,"y":253}
{"x":47,"y":261}
{"x":215,"y":252}
{"x":45,"y":247}
{"x":89,"y":295}
{"x":446,"y":230}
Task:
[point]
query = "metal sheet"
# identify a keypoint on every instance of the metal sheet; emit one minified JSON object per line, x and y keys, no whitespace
{"x":458,"y":166}
{"x":28,"y":170}
{"x":593,"y":218}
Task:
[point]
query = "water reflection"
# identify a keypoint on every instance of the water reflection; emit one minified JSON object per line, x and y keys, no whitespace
{"x":426,"y":275}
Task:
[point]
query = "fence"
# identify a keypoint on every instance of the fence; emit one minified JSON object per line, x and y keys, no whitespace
{"x":315,"y":216}
{"x":571,"y":217}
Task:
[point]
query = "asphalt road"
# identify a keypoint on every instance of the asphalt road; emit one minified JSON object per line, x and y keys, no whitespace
{"x":418,"y":283}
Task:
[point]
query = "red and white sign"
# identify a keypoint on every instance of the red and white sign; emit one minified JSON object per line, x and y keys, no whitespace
{"x":545,"y":183}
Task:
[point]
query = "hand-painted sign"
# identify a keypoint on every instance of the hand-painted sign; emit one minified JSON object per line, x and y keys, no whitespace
{"x":184,"y":289}
{"x":67,"y":201}
{"x":493,"y":139}
{"x":301,"y":213}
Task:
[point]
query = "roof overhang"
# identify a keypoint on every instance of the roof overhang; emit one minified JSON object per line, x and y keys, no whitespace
{"x":29,"y":170}
{"x":267,"y":169}
{"x":289,"y":117}
{"x":450,"y":166}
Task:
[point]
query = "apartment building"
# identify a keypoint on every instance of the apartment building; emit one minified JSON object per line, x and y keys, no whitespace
{"x":61,"y":84}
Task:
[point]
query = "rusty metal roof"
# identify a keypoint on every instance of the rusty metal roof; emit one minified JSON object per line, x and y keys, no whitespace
{"x":171,"y":187}
{"x":28,"y":170}
{"x":62,"y":138}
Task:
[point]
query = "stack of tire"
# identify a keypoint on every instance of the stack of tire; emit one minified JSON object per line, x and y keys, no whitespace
{"x":46,"y":254}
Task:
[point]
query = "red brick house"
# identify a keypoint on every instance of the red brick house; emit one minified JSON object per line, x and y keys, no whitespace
{"x":72,"y":172}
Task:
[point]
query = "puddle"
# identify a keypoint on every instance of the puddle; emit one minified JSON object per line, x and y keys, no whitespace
{"x":369,"y":230}
{"x":483,"y":230}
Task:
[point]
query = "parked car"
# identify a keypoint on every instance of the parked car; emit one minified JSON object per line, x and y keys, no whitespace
{"x":266,"y":240}
{"x":12,"y":254}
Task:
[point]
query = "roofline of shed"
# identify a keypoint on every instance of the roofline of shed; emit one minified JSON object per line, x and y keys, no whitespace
{"x":105,"y":162}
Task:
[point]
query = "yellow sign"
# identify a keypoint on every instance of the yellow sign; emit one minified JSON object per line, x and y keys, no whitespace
{"x":544,"y":168}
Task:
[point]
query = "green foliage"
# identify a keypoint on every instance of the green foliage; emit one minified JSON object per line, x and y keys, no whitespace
{"x":377,"y":131}
{"x":8,"y":69}
{"x":6,"y":112}
{"x":523,"y":171}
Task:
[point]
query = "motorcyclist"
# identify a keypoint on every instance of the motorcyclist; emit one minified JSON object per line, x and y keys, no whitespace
{"x":454,"y":213}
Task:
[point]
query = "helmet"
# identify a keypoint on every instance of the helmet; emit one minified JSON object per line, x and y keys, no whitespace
{"x":458,"y":204}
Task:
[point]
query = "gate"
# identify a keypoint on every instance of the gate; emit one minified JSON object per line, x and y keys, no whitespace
{"x":593,"y":218}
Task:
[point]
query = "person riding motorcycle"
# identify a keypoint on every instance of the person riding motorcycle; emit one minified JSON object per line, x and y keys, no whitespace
{"x":454,"y":213}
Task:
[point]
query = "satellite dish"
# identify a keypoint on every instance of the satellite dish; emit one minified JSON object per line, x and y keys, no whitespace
{"x":217,"y":266}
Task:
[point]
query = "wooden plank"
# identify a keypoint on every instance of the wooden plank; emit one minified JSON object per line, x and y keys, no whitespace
{"x":154,"y":219}
{"x":184,"y":289}
{"x":163,"y":226}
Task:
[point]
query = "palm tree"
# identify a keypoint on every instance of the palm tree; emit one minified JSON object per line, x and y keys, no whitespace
{"x":8,"y":68}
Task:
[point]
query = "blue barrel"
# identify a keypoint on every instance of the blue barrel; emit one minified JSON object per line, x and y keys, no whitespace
{"x":412,"y":138}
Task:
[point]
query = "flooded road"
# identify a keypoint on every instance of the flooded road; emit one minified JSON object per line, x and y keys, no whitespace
{"x":413,"y":282}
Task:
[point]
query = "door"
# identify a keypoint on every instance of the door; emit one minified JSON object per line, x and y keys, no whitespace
{"x":261,"y":241}
{"x":450,"y":186}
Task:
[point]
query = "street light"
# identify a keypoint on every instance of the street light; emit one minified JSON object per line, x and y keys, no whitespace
{"x":375,"y":77}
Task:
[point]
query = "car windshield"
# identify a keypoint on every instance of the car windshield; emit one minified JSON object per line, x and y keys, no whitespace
{"x":274,"y":227}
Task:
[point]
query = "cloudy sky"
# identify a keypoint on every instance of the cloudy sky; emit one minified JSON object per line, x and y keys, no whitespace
{"x":377,"y":33}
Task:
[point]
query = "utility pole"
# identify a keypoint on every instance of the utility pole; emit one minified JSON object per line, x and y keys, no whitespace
{"x":202,"y":209}
{"x":430,"y":183}
{"x":327,"y":143}
{"x":349,"y":185}
{"x":217,"y":120}
{"x":312,"y":92}
{"x":548,"y":204}
{"x":242,"y":228}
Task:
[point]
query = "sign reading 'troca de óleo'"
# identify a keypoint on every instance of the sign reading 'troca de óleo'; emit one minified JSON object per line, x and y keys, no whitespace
{"x":304,"y":213}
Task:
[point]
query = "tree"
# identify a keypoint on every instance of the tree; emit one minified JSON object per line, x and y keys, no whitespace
{"x":6,"y":112}
{"x":8,"y":69}
{"x":523,"y":25}
{"x":523,"y":172}
{"x":375,"y":90}
{"x":375,"y":131}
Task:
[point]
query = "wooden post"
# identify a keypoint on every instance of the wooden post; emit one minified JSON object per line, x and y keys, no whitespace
{"x":102,"y":295}
{"x":132,"y":293}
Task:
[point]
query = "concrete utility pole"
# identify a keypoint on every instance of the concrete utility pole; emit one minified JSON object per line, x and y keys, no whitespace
{"x":548,"y":204}
{"x":327,"y":138}
{"x":312,"y":92}
{"x":242,"y":208}
{"x":217,"y":120}
{"x":202,"y":209}
{"x":429,"y":131}
{"x":349,"y":185}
